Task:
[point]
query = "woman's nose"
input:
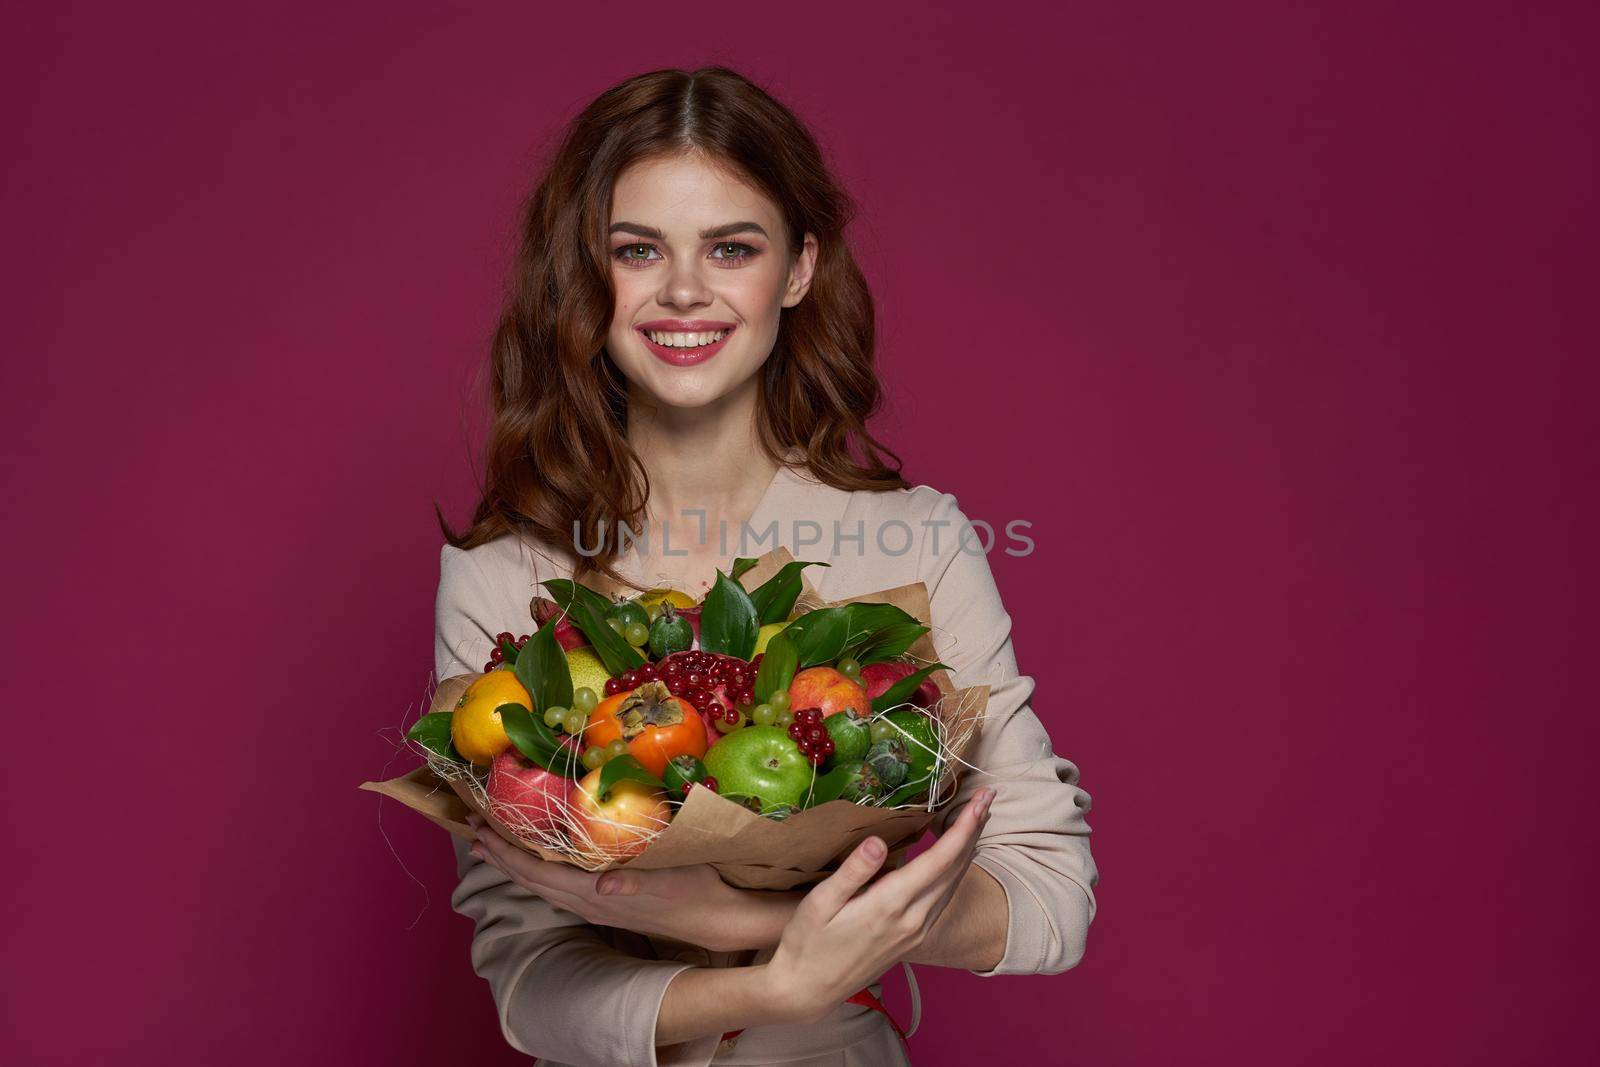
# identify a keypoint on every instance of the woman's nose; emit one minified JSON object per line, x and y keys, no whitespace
{"x":684,"y":286}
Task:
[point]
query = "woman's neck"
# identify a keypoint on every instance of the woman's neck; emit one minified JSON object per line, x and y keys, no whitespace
{"x":706,"y":459}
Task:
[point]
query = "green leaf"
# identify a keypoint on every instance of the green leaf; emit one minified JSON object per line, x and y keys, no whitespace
{"x":868,"y":618}
{"x":777,"y":668}
{"x":866,"y":621}
{"x":818,"y":636}
{"x":891,"y":642}
{"x":538,"y":742}
{"x":566,"y":592}
{"x":542,"y":669}
{"x":901,"y":691}
{"x":775,"y":597}
{"x":740,"y":565}
{"x":906,"y":792}
{"x":617,"y":655}
{"x":831,"y":785}
{"x":625,"y":768}
{"x":509,"y":650}
{"x":728,"y":619}
{"x":587,"y":609}
{"x":432,"y":732}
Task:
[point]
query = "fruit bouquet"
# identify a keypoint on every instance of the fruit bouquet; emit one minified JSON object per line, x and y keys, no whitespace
{"x":760,"y":730}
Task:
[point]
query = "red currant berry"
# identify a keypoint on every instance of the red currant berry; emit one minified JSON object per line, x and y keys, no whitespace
{"x":796,"y":731}
{"x":710,"y":783}
{"x":503,"y":637}
{"x":613,"y":687}
{"x":487,"y":667}
{"x":495,"y":655}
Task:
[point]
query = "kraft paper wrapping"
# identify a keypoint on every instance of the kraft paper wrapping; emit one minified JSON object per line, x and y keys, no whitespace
{"x":748,"y":850}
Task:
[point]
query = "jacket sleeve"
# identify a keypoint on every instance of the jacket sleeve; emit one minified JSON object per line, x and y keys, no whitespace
{"x":1036,"y":844}
{"x":561,"y":992}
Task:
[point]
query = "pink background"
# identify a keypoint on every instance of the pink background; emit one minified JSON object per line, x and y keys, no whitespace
{"x":1276,"y":321}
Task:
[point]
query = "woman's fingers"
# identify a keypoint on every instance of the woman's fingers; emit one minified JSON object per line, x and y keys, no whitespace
{"x":835,"y":891}
{"x":530,"y":869}
{"x":618,"y":884}
{"x":945,"y":860}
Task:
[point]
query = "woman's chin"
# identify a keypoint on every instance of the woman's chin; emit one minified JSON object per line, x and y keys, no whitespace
{"x":687,"y":388}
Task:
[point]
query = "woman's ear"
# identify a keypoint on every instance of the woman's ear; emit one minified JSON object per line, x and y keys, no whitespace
{"x":800,"y":272}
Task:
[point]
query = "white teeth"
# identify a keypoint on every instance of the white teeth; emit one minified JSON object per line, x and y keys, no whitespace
{"x":685,"y":340}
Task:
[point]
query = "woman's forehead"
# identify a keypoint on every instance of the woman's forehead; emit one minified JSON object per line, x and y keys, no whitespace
{"x":689,"y":193}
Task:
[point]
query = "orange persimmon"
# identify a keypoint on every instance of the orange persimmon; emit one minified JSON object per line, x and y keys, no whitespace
{"x":653,"y":723}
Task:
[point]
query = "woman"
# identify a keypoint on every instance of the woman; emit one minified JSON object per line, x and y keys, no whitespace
{"x":687,"y":351}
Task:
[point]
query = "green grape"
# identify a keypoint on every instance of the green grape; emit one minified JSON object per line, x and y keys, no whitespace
{"x":552,"y":717}
{"x":585,"y":700}
{"x":629,"y":612}
{"x":849,"y":667}
{"x":593,"y":756}
{"x":882,"y":730}
{"x":763,"y":715}
{"x":785,"y":719}
{"x":575,"y":721}
{"x":636,"y":633}
{"x":619,"y":626}
{"x":779,"y":701}
{"x":619,"y":747}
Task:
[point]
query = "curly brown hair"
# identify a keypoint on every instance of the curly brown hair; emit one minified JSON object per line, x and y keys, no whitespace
{"x":557,"y":462}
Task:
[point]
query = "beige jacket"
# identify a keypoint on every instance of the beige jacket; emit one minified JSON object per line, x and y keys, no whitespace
{"x":571,"y":993}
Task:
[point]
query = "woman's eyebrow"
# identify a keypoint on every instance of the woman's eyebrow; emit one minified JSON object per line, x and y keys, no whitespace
{"x":726,"y":230}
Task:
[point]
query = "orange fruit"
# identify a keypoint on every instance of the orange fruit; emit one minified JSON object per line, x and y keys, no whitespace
{"x":475,"y":727}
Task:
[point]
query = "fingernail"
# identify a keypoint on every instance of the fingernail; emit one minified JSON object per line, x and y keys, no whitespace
{"x":873,"y":848}
{"x":476,"y":851}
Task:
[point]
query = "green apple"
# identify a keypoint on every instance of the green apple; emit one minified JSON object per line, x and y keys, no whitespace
{"x":761,"y":762}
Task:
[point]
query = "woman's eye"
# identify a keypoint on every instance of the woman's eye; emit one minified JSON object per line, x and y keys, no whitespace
{"x":732,"y":250}
{"x":635,"y":253}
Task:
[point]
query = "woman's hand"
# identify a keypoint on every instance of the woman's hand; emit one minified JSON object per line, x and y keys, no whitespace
{"x":689,"y":904}
{"x":840,"y":940}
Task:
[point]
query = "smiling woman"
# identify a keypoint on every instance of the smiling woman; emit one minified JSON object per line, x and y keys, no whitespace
{"x":688,"y":333}
{"x":681,"y":207}
{"x":684,"y":248}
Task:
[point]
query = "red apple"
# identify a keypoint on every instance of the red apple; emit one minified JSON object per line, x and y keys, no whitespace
{"x":826,"y":688}
{"x":525,"y":796}
{"x":568,"y":636}
{"x":623,"y":824}
{"x":878,"y":677}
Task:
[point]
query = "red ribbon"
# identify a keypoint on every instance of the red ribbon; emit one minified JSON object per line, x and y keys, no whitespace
{"x":863,"y":998}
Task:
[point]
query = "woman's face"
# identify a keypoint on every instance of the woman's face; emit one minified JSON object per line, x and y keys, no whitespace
{"x":702,"y":270}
